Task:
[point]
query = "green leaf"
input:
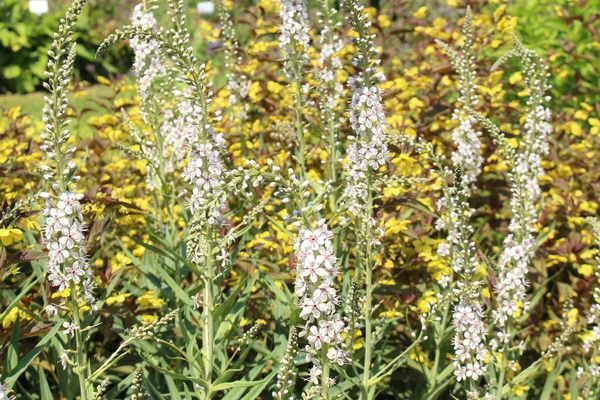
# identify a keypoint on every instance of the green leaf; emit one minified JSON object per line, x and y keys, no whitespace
{"x":180,"y":377}
{"x":185,"y":299}
{"x":173,"y":391}
{"x":12,"y":356}
{"x":259,"y":388}
{"x":225,"y":308}
{"x":284,"y":300}
{"x":21,"y":294}
{"x":14,"y":374}
{"x":236,"y":384}
{"x":12,"y":72}
{"x":45,"y":392}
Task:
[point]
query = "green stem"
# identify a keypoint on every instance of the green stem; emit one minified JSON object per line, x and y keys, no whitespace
{"x":438,"y":346}
{"x":81,"y":356}
{"x":208,"y":338}
{"x":299,"y":109}
{"x":368,"y":309}
{"x":502,"y":374}
{"x":325,"y":376}
{"x":332,"y":148}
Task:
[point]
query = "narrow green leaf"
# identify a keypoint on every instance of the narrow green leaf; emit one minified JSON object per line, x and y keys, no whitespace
{"x":12,"y":356}
{"x":173,"y":391}
{"x":185,"y":299}
{"x":45,"y":392}
{"x":14,"y":374}
{"x":21,"y":294}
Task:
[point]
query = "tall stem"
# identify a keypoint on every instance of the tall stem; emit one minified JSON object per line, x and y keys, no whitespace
{"x":325,"y":376}
{"x":438,"y":348}
{"x":299,"y":109}
{"x":332,"y":148}
{"x":80,"y":351}
{"x":208,"y":340}
{"x":368,"y":309}
{"x":504,"y":364}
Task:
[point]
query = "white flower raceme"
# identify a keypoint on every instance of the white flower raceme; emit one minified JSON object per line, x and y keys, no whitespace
{"x":64,"y":227}
{"x":238,"y":84}
{"x":330,"y":90}
{"x":519,"y":246}
{"x":168,"y":144}
{"x":469,"y":341}
{"x":65,"y":241}
{"x":205,"y":169}
{"x":368,"y":151}
{"x":294,"y":31}
{"x":467,"y":155}
{"x":148,"y":65}
{"x":470,"y":333}
{"x":316,"y":271}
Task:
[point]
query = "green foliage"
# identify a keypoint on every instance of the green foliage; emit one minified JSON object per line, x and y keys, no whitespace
{"x":25,"y":39}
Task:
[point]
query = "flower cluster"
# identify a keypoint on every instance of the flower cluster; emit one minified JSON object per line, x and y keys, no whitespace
{"x":64,"y":227}
{"x":148,"y":65}
{"x":65,"y":241}
{"x":467,"y":155}
{"x":286,"y":377}
{"x":520,"y":244}
{"x":459,"y":244}
{"x":205,"y":169}
{"x":238,"y":84}
{"x":329,"y":88}
{"x":470,"y":334}
{"x":368,"y":151}
{"x":469,"y":341}
{"x":294,"y":32}
{"x":468,"y":147}
{"x":316,"y":271}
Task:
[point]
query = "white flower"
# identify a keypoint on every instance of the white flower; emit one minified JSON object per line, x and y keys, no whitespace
{"x":314,"y":374}
{"x":469,"y":347}
{"x":51,"y":310}
{"x":315,"y":288}
{"x":70,"y":328}
{"x":315,"y":337}
{"x":64,"y":360}
{"x":4,"y":391}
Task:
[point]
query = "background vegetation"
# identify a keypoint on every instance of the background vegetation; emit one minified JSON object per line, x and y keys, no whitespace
{"x":419,"y":98}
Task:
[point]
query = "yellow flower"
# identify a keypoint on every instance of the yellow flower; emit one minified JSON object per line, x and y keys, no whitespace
{"x":274,"y":87}
{"x":391,"y":314}
{"x":102,"y":80}
{"x":572,"y":316}
{"x":118,"y":299}
{"x":519,"y":390}
{"x":425,"y":300}
{"x":586,"y":270}
{"x":384,"y":21}
{"x":15,"y":312}
{"x":119,"y":261}
{"x":29,"y":224}
{"x":149,"y":301}
{"x":148,"y":318}
{"x":270,"y":6}
{"x":10,"y":236}
{"x":420,"y":13}
{"x":65,"y":294}
{"x":255,"y":92}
